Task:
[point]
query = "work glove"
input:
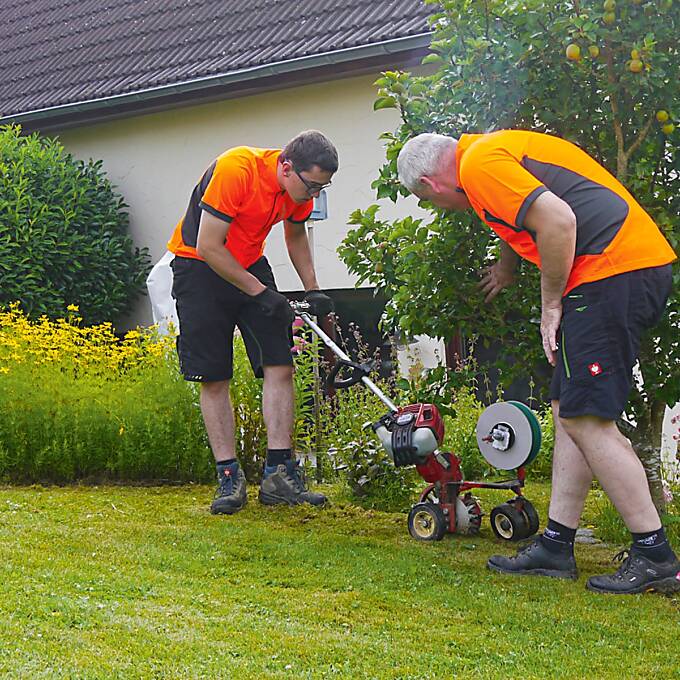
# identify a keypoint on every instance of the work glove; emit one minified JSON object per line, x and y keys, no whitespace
{"x":275,"y":306}
{"x":319,"y":303}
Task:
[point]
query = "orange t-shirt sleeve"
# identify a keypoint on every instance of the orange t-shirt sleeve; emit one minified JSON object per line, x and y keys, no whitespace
{"x":227,"y":189}
{"x":301,"y":212}
{"x":494,"y":179}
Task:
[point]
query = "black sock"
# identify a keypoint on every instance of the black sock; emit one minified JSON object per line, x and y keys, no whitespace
{"x":653,"y":545}
{"x":557,"y":538}
{"x":278,"y":457}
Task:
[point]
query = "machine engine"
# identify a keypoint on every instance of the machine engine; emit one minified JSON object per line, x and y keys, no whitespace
{"x":411,"y":434}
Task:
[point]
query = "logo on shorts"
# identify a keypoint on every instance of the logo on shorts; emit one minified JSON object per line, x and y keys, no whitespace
{"x":595,"y":369}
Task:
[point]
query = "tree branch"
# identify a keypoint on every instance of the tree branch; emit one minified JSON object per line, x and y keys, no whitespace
{"x":621,"y":158}
{"x":641,"y":138}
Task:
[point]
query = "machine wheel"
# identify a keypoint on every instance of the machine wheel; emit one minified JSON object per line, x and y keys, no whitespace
{"x":508,"y":523}
{"x":529,"y":514}
{"x":468,"y":515}
{"x":426,"y":522}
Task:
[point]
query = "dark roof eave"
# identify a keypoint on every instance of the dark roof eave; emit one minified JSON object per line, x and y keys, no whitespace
{"x":202,"y":85}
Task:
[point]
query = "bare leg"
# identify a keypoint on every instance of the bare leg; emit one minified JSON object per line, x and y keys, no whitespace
{"x":571,"y":477}
{"x":218,"y":417}
{"x":278,"y":406}
{"x":617,"y":468}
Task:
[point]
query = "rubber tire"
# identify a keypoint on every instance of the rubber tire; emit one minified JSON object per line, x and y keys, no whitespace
{"x":436,"y":517}
{"x":529,"y":514}
{"x":515,"y":526}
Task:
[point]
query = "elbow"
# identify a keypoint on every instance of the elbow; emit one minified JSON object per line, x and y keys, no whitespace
{"x":569,"y":220}
{"x":204,"y":250}
{"x":570,"y":226}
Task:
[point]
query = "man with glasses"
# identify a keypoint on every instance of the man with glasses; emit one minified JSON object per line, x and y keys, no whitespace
{"x":222,"y":280}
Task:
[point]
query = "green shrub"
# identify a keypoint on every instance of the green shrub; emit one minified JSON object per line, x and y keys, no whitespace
{"x":63,"y":233}
{"x":78,"y":403}
{"x":542,"y":466}
{"x":495,"y":65}
{"x":98,"y":407}
{"x":246,"y":397}
{"x":369,"y":475}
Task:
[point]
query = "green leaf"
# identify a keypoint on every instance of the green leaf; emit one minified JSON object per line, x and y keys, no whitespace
{"x":384,"y":103}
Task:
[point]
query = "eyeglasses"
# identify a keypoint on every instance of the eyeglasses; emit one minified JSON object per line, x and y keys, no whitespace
{"x":312,"y":187}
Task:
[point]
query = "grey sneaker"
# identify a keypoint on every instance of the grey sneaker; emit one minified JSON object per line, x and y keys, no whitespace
{"x":286,"y":486}
{"x":637,"y":574}
{"x":535,"y":560}
{"x":230,"y":496}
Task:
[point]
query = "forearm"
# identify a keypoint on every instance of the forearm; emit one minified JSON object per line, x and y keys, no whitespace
{"x":301,"y":256}
{"x":223,"y":263}
{"x":556,"y":246}
{"x":508,"y":259}
{"x":212,"y":235}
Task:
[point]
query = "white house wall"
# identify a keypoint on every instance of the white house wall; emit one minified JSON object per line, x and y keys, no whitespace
{"x":156,"y":159}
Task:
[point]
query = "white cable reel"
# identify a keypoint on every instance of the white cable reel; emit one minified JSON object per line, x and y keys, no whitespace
{"x":508,"y":435}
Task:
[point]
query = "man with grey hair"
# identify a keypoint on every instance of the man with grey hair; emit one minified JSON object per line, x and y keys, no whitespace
{"x":605,"y":278}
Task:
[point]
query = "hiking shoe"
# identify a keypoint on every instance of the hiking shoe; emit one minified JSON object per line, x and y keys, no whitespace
{"x":638,"y":574}
{"x":535,"y":560}
{"x":285,"y":485}
{"x":230,"y":496}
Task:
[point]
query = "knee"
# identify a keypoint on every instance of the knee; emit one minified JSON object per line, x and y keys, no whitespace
{"x":585,"y":426}
{"x":215,"y":389}
{"x":278,"y":374}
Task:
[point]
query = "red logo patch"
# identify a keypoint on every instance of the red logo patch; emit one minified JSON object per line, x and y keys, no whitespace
{"x":595,"y":369}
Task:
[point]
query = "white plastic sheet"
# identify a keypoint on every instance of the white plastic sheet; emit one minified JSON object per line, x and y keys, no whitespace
{"x":159,"y":286}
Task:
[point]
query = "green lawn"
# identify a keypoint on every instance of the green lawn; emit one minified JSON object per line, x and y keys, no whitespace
{"x":118,"y":582}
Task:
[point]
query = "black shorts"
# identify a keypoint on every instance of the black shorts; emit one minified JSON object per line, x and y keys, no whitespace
{"x":209,"y":308}
{"x":599,"y":340}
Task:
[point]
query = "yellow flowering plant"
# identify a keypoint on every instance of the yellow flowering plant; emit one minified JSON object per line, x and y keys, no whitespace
{"x":81,"y":402}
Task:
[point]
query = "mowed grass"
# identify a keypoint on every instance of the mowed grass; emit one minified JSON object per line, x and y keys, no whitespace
{"x":121,"y":582}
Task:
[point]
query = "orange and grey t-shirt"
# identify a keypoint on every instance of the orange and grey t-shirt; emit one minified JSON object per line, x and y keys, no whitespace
{"x":241,"y":188}
{"x":503,"y":173}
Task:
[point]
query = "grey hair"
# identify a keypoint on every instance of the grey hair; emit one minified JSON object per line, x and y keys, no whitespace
{"x":422,"y":156}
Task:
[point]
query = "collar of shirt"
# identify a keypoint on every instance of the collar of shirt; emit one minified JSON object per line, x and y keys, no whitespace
{"x":268,"y":177}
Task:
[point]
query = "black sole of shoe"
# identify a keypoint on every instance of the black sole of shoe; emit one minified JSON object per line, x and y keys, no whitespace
{"x":664,"y":586}
{"x":551,"y":573}
{"x":225,"y":511}
{"x":268,"y":499}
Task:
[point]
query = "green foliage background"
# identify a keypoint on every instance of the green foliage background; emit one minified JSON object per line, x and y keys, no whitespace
{"x":63,"y":233}
{"x":499,"y":64}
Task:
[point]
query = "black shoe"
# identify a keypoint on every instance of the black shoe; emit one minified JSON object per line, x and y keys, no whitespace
{"x":536,"y":560}
{"x":286,"y":486}
{"x":638,"y":574}
{"x":230,"y":496}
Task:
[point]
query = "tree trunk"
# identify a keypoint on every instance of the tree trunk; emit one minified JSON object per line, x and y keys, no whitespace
{"x":647,"y":444}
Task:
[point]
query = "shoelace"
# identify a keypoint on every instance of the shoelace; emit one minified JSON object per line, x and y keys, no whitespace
{"x":294,"y":476}
{"x":621,"y":556}
{"x":226,"y":487}
{"x":527,"y":549}
{"x":627,"y":560}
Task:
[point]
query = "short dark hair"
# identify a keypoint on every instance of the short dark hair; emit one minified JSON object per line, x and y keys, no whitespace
{"x":311,"y":148}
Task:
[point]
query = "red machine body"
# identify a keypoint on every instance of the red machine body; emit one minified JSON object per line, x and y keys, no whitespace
{"x":426,"y":415}
{"x":451,"y":493}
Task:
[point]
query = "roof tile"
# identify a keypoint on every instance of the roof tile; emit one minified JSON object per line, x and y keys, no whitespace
{"x":57,"y":52}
